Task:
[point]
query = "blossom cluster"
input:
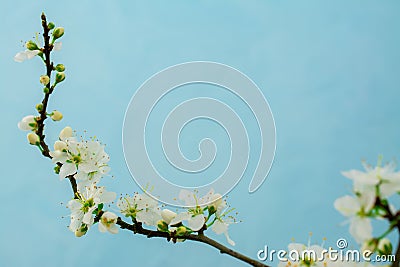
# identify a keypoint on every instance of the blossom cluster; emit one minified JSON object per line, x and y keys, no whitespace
{"x":210,"y":210}
{"x":372,"y":189}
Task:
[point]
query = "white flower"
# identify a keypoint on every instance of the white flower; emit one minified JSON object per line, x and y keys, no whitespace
{"x":142,"y":207}
{"x":195,"y":214}
{"x":28,"y":123}
{"x":356,"y":209}
{"x":302,"y":255}
{"x":86,"y":160}
{"x":24,"y":55}
{"x":108,"y":223}
{"x":385,"y":177}
{"x":194,"y":217}
{"x":88,"y":201}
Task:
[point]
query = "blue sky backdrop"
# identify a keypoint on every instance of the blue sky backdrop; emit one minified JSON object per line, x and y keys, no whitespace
{"x":329,"y":70}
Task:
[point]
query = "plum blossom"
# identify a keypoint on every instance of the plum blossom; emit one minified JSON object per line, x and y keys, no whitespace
{"x":140,"y":207}
{"x":195,"y":213}
{"x":306,"y":255}
{"x":357,"y":208}
{"x":87,"y":201}
{"x":86,"y":160}
{"x":384,"y":177}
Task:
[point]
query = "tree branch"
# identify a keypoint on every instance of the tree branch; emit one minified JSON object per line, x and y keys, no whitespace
{"x":49,"y":68}
{"x":136,"y":227}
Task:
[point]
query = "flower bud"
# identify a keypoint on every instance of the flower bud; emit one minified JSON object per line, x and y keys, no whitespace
{"x":60,"y":145}
{"x":168,"y":215}
{"x":181,"y":230}
{"x":58,"y":32}
{"x":44,"y":79}
{"x":385,"y":246}
{"x":60,"y":76}
{"x":57,"y":169}
{"x":81,"y":231}
{"x":56,"y":115}
{"x":162,"y":226}
{"x":65,"y":133}
{"x":39,"y":107}
{"x":33,"y":138}
{"x":370,"y":245}
{"x":60,"y":67}
{"x":28,"y":123}
{"x":46,"y":90}
{"x":51,"y":25}
{"x":31,"y":45}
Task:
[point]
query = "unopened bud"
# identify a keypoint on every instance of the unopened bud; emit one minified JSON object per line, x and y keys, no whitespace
{"x":370,"y":245}
{"x":51,"y":25}
{"x":39,"y":107}
{"x":162,"y":226}
{"x":44,"y":79}
{"x":56,"y":115}
{"x":60,"y":76}
{"x":168,"y":215}
{"x":33,"y":138}
{"x":81,"y":231}
{"x":181,"y":230}
{"x":385,"y":247}
{"x":60,"y":67}
{"x":60,"y":145}
{"x":58,"y":32}
{"x":46,"y":90}
{"x":65,"y":133}
{"x":57,"y":169}
{"x":31,"y":45}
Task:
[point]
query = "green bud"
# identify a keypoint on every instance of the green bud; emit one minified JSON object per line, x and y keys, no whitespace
{"x":57,"y":169}
{"x":51,"y":25}
{"x":181,"y":230}
{"x":31,"y":45}
{"x":46,"y":90}
{"x":81,"y":231}
{"x":162,"y":226}
{"x":58,"y":32}
{"x":60,"y":67}
{"x":60,"y":76}
{"x":39,"y":107}
{"x":211,"y":210}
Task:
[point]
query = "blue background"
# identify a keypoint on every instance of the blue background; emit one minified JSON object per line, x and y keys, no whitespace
{"x":329,"y":69}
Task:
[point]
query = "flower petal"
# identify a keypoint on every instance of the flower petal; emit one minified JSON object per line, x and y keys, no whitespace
{"x":67,"y":169}
{"x":196,"y":223}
